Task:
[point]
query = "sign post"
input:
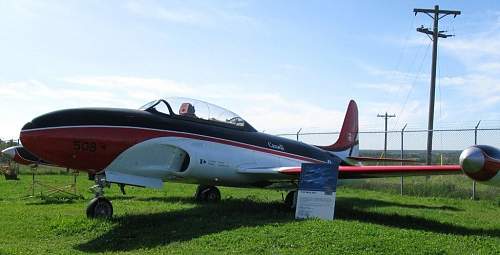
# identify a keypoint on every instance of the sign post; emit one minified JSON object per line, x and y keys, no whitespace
{"x":317,"y":188}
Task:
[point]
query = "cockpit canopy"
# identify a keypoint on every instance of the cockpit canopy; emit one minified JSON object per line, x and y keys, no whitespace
{"x":196,"y":109}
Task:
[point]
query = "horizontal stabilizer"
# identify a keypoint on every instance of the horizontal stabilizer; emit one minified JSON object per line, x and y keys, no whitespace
{"x":265,"y":170}
{"x":382,"y":159}
{"x":357,"y":172}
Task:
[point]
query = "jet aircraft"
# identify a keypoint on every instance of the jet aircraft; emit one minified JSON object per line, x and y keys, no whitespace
{"x":191,"y":141}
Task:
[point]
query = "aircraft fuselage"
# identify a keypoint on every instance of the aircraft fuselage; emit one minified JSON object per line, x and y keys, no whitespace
{"x":135,"y":144}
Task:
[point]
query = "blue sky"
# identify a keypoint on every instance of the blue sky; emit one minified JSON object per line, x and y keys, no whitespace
{"x":282,"y":65}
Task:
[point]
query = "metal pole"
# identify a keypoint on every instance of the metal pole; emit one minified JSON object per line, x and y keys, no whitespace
{"x":475,"y":143}
{"x":298,"y":132}
{"x":32,"y":182}
{"x":430,"y":126}
{"x":385,"y":136}
{"x":435,"y":33}
{"x":402,"y":156}
{"x":385,"y":116}
{"x":475,"y":132}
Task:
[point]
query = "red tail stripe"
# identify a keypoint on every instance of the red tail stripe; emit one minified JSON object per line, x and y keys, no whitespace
{"x":349,"y":133}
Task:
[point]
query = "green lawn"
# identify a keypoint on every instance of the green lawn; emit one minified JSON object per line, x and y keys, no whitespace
{"x":246,"y":221}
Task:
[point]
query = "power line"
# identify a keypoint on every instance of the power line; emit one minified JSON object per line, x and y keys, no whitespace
{"x":417,"y":76}
{"x":400,"y":57}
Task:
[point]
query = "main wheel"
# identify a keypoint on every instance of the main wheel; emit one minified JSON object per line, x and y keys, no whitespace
{"x":290,"y":199}
{"x":100,"y":207}
{"x":205,"y":193}
{"x":212,"y":195}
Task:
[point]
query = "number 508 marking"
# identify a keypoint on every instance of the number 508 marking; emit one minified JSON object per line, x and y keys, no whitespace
{"x":84,"y":146}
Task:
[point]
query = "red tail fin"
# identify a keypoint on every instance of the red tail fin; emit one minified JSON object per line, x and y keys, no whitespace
{"x":348,"y":137}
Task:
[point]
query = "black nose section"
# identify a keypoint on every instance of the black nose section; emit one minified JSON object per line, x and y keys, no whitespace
{"x":88,"y":116}
{"x":50,"y":119}
{"x":28,"y":126}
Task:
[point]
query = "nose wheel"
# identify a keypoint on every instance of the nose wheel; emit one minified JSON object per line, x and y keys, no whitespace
{"x":100,"y":207}
{"x":206,"y":193}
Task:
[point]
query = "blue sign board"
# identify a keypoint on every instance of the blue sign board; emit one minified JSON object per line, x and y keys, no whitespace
{"x":316,"y":194}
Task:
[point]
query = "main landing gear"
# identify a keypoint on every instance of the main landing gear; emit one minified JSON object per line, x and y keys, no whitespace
{"x":100,"y":207}
{"x":206,"y":193}
{"x":291,"y":200}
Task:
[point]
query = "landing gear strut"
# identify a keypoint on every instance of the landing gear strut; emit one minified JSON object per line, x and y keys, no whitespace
{"x":206,"y":193}
{"x":291,"y":200}
{"x":100,"y":207}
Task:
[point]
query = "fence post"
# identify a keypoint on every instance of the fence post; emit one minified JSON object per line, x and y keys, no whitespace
{"x":298,"y":132}
{"x":475,"y":143}
{"x":402,"y":156}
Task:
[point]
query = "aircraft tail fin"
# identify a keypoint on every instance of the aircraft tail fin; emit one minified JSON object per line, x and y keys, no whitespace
{"x":347,"y":144}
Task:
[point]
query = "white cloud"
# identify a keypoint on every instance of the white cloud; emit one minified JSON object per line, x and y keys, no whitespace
{"x":392,"y":88}
{"x":190,"y":14}
{"x":476,"y":46}
{"x":268,"y":110}
{"x":134,"y":86}
{"x":393,"y":76}
{"x":489,"y":67}
{"x":183,"y":16}
{"x":484,"y":88}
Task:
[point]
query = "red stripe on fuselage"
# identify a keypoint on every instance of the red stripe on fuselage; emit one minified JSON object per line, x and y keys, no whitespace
{"x":92,"y":148}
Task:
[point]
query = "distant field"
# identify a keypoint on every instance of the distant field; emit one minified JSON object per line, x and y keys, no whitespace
{"x":457,"y":186}
{"x":169,"y":221}
{"x":445,"y":157}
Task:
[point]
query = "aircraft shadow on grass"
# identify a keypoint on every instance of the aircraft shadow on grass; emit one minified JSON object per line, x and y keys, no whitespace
{"x":367,"y":203}
{"x":346,"y":209}
{"x":151,"y":230}
{"x":51,"y":202}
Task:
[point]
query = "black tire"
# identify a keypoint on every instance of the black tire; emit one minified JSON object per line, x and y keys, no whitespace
{"x":200,"y":193}
{"x":100,"y":207}
{"x":212,"y":195}
{"x":289,"y":200}
{"x":205,"y":193}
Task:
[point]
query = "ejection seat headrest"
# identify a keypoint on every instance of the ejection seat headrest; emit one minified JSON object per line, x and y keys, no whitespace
{"x":186,"y":109}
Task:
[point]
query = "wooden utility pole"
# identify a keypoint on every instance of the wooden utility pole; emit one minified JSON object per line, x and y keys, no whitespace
{"x":436,"y":14}
{"x":385,"y":116}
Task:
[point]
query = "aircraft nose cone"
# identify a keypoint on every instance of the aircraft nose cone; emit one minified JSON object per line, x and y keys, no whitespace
{"x":10,"y":152}
{"x":472,"y":160}
{"x":27,"y":126}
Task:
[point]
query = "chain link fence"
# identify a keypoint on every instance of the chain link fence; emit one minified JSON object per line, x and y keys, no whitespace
{"x":412,"y":144}
{"x":409,"y":140}
{"x":408,"y":144}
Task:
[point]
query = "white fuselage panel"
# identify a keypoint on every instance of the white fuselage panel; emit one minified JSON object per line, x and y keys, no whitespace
{"x":209,"y":163}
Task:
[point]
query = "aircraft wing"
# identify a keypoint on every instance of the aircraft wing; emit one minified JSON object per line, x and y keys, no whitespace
{"x":358,"y":172}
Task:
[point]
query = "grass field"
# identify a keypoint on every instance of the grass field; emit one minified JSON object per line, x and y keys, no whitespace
{"x":169,"y":221}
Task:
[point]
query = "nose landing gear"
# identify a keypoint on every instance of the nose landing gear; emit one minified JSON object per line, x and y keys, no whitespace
{"x":100,"y":207}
